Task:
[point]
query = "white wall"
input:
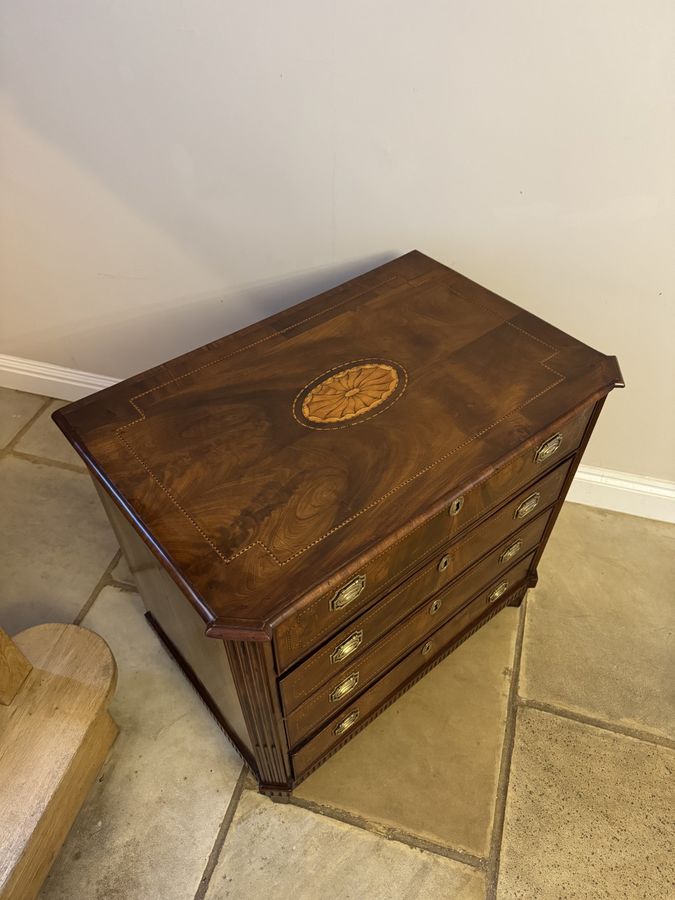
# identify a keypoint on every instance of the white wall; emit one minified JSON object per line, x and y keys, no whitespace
{"x":173,"y":170}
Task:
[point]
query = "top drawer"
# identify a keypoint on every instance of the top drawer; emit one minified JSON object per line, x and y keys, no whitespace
{"x":301,"y":632}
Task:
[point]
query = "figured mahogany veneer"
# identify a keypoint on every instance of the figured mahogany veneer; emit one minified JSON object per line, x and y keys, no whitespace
{"x":316,"y":508}
{"x":435,"y":610}
{"x":418,"y":662}
{"x":371,"y":625}
{"x":432,"y":537}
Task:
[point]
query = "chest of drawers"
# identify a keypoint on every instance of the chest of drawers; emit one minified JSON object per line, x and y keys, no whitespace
{"x":320,"y":507}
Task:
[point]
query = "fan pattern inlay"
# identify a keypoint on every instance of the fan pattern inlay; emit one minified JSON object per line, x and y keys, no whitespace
{"x":350,"y":393}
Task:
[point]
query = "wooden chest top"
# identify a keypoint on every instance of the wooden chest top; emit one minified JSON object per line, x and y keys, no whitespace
{"x":263,"y":466}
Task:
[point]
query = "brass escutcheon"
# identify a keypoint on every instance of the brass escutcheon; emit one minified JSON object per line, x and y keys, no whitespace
{"x":345,"y":687}
{"x":548,"y":448}
{"x":511,"y":551}
{"x":456,"y":505}
{"x":528,"y":505}
{"x":435,"y":606}
{"x":426,"y":649}
{"x":346,"y":723}
{"x":347,"y":647}
{"x":498,"y":592}
{"x":348,"y":593}
{"x":444,"y":563}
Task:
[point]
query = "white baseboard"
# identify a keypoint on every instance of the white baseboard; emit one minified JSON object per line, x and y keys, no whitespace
{"x":637,"y":495}
{"x":51,"y":381}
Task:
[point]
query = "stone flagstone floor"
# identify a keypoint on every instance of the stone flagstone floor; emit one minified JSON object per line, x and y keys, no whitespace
{"x":535,"y":762}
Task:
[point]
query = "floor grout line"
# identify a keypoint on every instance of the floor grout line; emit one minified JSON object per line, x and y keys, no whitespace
{"x":490,"y":865}
{"x":24,"y":428}
{"x":45,"y":461}
{"x":105,"y":580}
{"x":391,"y":833}
{"x":123,"y":586}
{"x":9,"y":449}
{"x":218,"y":843}
{"x":614,"y":727}
{"x":505,"y":766}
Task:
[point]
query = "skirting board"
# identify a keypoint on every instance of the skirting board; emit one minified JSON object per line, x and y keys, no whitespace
{"x":637,"y":495}
{"x":51,"y":381}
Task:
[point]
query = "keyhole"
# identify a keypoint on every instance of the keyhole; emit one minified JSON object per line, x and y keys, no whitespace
{"x":456,"y":505}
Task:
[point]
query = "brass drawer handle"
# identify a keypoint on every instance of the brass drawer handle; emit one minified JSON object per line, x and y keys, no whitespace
{"x":548,"y":448}
{"x":511,"y":551}
{"x":528,"y":505}
{"x":498,"y":592}
{"x":348,"y":593}
{"x":456,"y":506}
{"x":347,"y":647}
{"x":443,"y":563}
{"x":426,"y":649}
{"x":435,"y":606}
{"x":346,"y":723}
{"x":345,"y":687}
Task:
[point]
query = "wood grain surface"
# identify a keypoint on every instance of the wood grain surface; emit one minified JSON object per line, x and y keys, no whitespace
{"x":54,"y":738}
{"x":252,"y":511}
{"x":400,"y":639}
{"x":297,"y":633}
{"x":14,"y":668}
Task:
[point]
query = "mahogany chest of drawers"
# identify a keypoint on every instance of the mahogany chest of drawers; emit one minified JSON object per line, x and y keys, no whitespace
{"x":320,"y":507}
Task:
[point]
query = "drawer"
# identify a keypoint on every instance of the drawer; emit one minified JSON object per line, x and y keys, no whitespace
{"x":341,"y":689}
{"x":337,"y":659}
{"x":449,"y":562}
{"x":464,"y":622}
{"x":309,"y":626}
{"x":452,"y":559}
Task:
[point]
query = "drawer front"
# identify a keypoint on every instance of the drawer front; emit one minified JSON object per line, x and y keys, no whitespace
{"x":341,"y":690}
{"x":480,"y":609}
{"x":295,"y":636}
{"x":339,"y":656}
{"x":451,"y":560}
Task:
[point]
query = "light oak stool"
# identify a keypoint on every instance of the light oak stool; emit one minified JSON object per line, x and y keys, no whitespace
{"x":55,"y":733}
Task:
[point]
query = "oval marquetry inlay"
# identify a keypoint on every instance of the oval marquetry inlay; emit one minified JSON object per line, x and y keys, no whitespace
{"x":347,"y":395}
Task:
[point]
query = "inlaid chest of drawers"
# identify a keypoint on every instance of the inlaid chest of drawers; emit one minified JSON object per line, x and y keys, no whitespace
{"x":317,"y":509}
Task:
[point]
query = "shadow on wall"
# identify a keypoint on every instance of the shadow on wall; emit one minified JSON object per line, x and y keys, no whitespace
{"x":201,"y":319}
{"x":210,"y":125}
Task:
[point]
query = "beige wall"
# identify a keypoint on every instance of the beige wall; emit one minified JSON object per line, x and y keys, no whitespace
{"x":174,"y":170}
